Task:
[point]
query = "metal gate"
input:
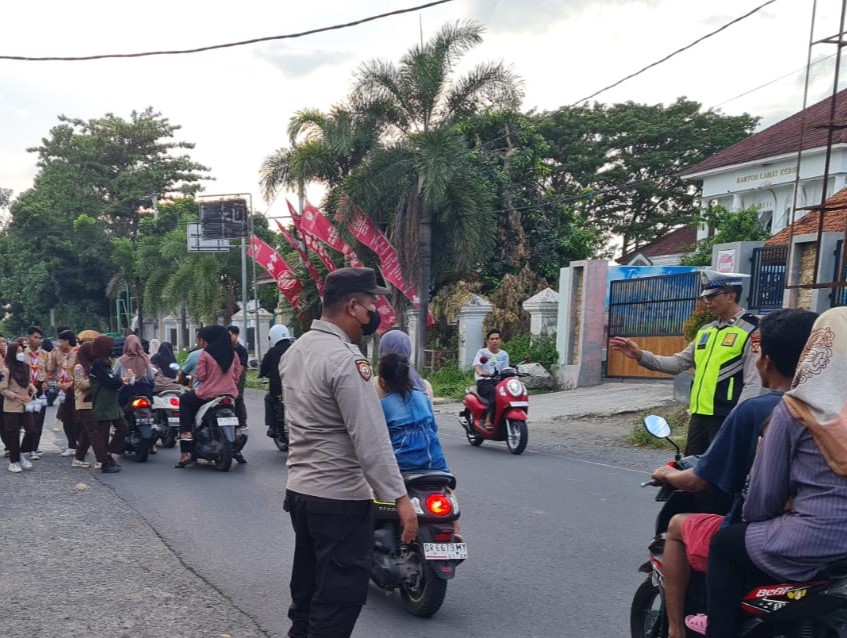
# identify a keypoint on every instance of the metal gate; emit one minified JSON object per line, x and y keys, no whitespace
{"x":654,"y":310}
{"x":838,"y":296}
{"x":767,"y":281}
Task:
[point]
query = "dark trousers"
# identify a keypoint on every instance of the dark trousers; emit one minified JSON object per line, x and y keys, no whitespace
{"x":94,"y":434}
{"x":485,"y":388}
{"x":274,"y":410}
{"x":2,"y":426}
{"x":189,"y":404}
{"x":332,"y":560}
{"x":241,"y":410}
{"x":65,"y":413}
{"x":117,"y":444}
{"x":38,"y":425}
{"x":13,"y":422}
{"x":729,"y":573}
{"x":701,"y":431}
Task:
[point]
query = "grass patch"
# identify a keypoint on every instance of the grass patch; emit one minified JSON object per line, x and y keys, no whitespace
{"x":254,"y":382}
{"x":449,"y":382}
{"x":677,"y":418}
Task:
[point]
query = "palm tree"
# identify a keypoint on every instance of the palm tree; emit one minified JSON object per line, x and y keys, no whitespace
{"x":424,"y":174}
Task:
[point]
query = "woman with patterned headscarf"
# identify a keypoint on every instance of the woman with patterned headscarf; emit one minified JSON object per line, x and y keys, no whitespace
{"x":218,"y":370}
{"x":795,"y":514}
{"x":134,"y":368}
{"x":398,"y":342}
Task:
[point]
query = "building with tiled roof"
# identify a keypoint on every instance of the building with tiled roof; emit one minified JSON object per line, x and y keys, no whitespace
{"x":760,"y":170}
{"x":667,"y":250}
{"x":834,"y":221}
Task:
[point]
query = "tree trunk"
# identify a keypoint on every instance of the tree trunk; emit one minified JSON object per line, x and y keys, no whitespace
{"x":425,"y":244}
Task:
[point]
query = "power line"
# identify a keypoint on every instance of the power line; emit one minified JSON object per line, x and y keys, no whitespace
{"x":228,"y":45}
{"x":677,"y":52}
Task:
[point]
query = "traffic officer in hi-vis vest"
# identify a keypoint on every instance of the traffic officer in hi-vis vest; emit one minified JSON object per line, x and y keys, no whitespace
{"x":721,"y":354}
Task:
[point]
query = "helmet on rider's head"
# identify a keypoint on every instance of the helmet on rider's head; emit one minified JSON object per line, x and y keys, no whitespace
{"x":278,"y":333}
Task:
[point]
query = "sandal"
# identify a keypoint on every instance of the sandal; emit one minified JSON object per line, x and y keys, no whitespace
{"x":697,"y":623}
{"x":184,"y":464}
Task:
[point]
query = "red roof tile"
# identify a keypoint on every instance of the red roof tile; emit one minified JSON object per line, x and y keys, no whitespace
{"x":834,"y":221}
{"x":783,"y":137}
{"x":675,"y":242}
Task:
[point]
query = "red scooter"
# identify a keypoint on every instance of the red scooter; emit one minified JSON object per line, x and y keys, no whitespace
{"x":511,"y":404}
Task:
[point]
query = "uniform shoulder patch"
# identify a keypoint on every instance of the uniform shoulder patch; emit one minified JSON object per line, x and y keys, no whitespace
{"x":364,"y":368}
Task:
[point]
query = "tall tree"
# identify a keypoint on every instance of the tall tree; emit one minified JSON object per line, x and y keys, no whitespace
{"x":424,"y":175}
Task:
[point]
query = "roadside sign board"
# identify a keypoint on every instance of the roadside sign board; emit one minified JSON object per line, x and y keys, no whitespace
{"x":196,"y":243}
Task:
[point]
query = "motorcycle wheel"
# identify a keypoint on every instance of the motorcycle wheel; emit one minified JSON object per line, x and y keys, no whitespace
{"x":647,"y":617}
{"x":517,"y":435}
{"x":426,"y":596}
{"x":473,"y":438}
{"x":142,"y":451}
{"x":169,"y":438}
{"x":224,"y":460}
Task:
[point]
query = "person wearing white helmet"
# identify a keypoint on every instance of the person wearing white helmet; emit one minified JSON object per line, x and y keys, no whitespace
{"x":280,"y":339}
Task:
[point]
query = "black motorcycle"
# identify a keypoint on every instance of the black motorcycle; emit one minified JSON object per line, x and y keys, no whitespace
{"x":139,"y":435}
{"x":216,"y":436}
{"x":815,"y":609}
{"x":421,"y":569}
{"x":278,"y":431}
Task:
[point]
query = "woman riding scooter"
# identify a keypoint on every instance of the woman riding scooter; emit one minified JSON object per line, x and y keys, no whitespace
{"x":218,"y":370}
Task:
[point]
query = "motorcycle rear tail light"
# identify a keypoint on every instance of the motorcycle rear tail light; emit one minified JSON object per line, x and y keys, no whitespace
{"x":444,"y":536}
{"x":140,"y":402}
{"x":175,"y":402}
{"x":225,"y":401}
{"x":439,"y":504}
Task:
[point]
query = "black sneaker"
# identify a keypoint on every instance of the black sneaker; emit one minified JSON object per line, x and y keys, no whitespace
{"x":110,"y":468}
{"x":271,"y":432}
{"x":239,"y":457}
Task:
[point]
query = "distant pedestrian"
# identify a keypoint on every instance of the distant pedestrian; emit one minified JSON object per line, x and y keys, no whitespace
{"x":18,"y":391}
{"x":105,"y":385}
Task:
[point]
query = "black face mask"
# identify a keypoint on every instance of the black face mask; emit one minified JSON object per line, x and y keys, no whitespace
{"x":373,"y":323}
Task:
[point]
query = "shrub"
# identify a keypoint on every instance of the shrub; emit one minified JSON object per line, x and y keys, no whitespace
{"x":449,"y":382}
{"x":539,"y":349}
{"x":677,"y":417}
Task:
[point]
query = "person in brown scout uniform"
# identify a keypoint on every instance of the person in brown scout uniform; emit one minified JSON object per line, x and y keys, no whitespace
{"x":36,"y":359}
{"x":339,"y":458}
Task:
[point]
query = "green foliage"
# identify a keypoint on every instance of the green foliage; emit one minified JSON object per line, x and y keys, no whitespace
{"x":728,"y":226}
{"x":698,"y":318}
{"x":539,"y":349}
{"x":450,"y":382}
{"x":677,"y":418}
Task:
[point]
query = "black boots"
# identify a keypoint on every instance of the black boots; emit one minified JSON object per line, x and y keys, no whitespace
{"x":110,"y":467}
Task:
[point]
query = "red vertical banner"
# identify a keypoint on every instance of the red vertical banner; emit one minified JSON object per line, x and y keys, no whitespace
{"x":304,"y":258}
{"x":365,"y":231}
{"x":310,"y":240}
{"x":314,"y":223}
{"x":275,"y":265}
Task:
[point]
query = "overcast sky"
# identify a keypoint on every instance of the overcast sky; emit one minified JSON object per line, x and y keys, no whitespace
{"x":234,"y":104}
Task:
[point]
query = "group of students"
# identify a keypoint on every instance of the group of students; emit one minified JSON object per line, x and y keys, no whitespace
{"x":781,"y":457}
{"x":81,"y":367}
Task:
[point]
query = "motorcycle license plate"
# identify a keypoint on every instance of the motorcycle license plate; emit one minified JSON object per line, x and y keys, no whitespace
{"x":173,"y":419}
{"x":228,"y":420}
{"x":445,"y":551}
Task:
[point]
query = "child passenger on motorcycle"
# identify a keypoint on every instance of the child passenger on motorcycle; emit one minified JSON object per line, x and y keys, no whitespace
{"x":218,"y":371}
{"x":725,"y":465}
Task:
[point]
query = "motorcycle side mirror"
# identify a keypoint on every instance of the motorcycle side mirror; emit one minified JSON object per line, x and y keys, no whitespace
{"x":658,"y":426}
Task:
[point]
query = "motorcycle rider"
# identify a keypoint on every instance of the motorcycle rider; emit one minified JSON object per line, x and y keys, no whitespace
{"x":280,"y":340}
{"x":218,"y":370}
{"x":726,"y":464}
{"x":497,"y":359}
{"x":795,"y":512}
{"x":724,"y":365}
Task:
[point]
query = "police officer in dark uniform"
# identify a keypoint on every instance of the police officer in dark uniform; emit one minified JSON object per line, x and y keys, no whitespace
{"x":721,"y":355}
{"x":340,"y":458}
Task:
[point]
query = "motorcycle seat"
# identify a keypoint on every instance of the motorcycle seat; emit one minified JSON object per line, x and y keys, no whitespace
{"x":212,"y":404}
{"x":431,"y":477}
{"x":472,"y":390}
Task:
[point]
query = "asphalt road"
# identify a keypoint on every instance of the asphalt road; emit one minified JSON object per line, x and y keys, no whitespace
{"x":554,"y":541}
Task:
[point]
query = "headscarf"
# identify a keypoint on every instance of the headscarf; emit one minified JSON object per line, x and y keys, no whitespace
{"x":153,"y":348}
{"x":218,"y":345}
{"x":398,"y":342}
{"x":19,"y":370}
{"x":134,"y":358}
{"x":101,"y":347}
{"x":818,"y":395}
{"x":164,"y":358}
{"x":85,"y":356}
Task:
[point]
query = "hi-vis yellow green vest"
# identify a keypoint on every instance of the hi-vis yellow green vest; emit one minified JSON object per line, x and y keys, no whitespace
{"x":719,"y":366}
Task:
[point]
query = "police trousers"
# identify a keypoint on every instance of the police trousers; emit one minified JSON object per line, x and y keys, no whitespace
{"x":332,"y":561}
